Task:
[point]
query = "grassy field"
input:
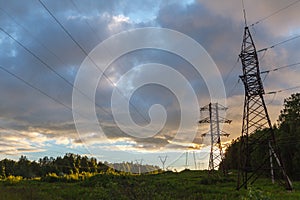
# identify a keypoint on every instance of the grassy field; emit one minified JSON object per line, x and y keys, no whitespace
{"x":168,"y":185}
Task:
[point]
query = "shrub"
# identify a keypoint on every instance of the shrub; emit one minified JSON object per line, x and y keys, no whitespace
{"x":13,"y":179}
{"x":53,"y":177}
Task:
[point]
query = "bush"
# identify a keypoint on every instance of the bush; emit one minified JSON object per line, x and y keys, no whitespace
{"x":13,"y":179}
{"x":53,"y":177}
{"x":50,"y":178}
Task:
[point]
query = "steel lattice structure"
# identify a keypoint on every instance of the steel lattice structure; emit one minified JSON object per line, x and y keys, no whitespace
{"x":255,"y":118}
{"x":214,"y":119}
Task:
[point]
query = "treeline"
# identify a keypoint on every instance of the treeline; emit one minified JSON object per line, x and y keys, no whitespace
{"x":68,"y":164}
{"x":287,"y":134}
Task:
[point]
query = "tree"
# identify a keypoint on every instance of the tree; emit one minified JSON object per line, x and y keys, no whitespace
{"x":287,"y":138}
{"x":84,"y":164}
{"x":231,"y":155}
{"x":289,"y":118}
{"x":2,"y":170}
{"x":23,"y":167}
{"x":9,"y":166}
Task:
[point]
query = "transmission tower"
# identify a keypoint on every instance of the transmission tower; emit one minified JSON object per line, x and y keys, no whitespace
{"x":186,"y":160}
{"x":139,"y":163}
{"x":255,"y":117}
{"x":214,"y":119}
{"x":163,"y":160}
{"x":195,"y":161}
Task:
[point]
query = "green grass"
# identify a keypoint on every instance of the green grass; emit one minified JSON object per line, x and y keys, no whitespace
{"x":169,"y":185}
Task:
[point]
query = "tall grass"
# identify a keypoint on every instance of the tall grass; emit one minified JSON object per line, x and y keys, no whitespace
{"x":53,"y":177}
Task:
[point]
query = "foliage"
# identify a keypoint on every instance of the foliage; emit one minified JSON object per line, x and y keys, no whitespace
{"x":13,"y":179}
{"x":53,"y":177}
{"x":288,"y":135}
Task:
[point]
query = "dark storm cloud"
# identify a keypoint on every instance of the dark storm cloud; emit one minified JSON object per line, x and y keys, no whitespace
{"x":219,"y":35}
{"x":218,"y":26}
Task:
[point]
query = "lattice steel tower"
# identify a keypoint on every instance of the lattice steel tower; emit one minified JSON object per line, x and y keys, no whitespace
{"x":214,"y":119}
{"x":255,"y":118}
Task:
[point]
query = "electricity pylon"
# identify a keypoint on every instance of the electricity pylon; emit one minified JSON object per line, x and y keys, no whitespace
{"x":139,"y":163}
{"x":163,"y":160}
{"x":255,"y":118}
{"x":214,"y":119}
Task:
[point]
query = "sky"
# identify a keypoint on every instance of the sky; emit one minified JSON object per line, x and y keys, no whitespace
{"x":37,"y":121}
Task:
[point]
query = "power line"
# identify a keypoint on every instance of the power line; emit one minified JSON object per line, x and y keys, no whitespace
{"x":64,"y":29}
{"x":279,"y":43}
{"x":231,"y":70}
{"x":35,"y":88}
{"x":273,"y":98}
{"x":35,"y":38}
{"x":45,"y":64}
{"x":89,"y":25}
{"x":282,"y":90}
{"x":266,"y":72}
{"x":50,"y":68}
{"x":38,"y":89}
{"x":172,"y":164}
{"x":84,"y":51}
{"x":262,"y":57}
{"x":274,"y":13}
{"x":233,"y":88}
{"x":278,"y":68}
{"x":108,"y":50}
{"x":34,"y":55}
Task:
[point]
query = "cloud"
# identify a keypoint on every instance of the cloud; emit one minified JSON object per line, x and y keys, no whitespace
{"x":37,"y":121}
{"x":13,"y":142}
{"x":257,"y":10}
